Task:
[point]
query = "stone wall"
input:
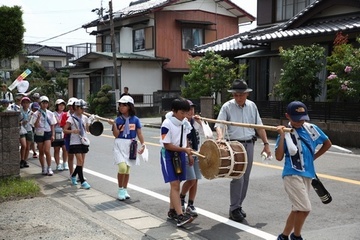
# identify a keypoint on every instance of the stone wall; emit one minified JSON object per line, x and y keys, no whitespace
{"x":344,"y":134}
{"x":9,"y":144}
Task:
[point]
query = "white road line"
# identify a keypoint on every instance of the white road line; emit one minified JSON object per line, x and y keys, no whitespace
{"x":245,"y":228}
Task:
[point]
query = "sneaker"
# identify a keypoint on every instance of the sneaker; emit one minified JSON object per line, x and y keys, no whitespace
{"x":191,"y":210}
{"x":23,"y":164}
{"x":50,"y":171}
{"x":44,"y":171}
{"x":85,"y":185}
{"x":35,"y":155}
{"x":127,"y":196}
{"x":78,"y":179}
{"x":66,"y":166}
{"x":293,"y":237}
{"x":73,"y":181}
{"x":172,"y":214}
{"x":59,"y":167}
{"x":282,"y":237}
{"x":183,"y":219}
{"x":121,"y":194}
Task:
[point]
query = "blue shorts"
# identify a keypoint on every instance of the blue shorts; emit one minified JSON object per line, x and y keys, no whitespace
{"x":67,"y":142}
{"x":45,"y":137}
{"x":193,"y":172}
{"x":167,"y":167}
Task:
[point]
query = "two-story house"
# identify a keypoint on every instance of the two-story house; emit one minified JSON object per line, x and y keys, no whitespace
{"x":152,"y":39}
{"x":283,"y":23}
{"x":49,"y":57}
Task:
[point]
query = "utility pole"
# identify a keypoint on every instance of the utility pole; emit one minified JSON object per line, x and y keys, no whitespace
{"x":112,"y":35}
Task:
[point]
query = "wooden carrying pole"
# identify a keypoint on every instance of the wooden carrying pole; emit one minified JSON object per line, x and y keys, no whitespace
{"x":98,"y":118}
{"x":248,"y":125}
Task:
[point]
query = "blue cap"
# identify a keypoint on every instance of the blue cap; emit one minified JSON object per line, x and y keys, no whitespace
{"x":35,"y":105}
{"x":297,"y":111}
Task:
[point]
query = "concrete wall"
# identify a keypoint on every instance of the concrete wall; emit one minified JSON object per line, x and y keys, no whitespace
{"x":9,"y":144}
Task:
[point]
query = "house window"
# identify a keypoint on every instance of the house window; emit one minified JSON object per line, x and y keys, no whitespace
{"x":286,"y":9}
{"x":192,"y":37}
{"x":79,"y":88}
{"x":51,"y":65}
{"x":106,"y":42}
{"x":143,"y":39}
{"x":108,"y":77}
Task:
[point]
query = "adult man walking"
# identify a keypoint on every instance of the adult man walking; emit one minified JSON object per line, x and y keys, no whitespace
{"x":240,"y":109}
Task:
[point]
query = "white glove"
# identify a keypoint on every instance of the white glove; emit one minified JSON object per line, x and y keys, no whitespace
{"x":92,"y":118}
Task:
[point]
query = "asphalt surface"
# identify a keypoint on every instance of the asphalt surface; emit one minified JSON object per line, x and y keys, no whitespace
{"x":64,"y":211}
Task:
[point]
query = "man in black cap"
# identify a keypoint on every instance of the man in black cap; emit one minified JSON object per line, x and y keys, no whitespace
{"x":240,"y":109}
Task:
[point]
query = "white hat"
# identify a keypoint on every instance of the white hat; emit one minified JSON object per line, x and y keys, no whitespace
{"x":81,"y":103}
{"x":44,"y":98}
{"x":36,"y":95}
{"x":59,"y":101}
{"x":71,"y":101}
{"x":126,"y":99}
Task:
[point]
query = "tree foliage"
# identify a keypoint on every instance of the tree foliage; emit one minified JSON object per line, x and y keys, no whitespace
{"x":208,"y":76}
{"x":299,"y":77}
{"x":11,"y":31}
{"x":100,"y":102}
{"x":343,"y":83}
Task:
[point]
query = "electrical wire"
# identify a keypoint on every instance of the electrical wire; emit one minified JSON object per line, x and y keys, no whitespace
{"x":59,"y":35}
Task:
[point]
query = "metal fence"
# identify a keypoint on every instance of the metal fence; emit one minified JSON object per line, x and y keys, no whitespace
{"x":323,"y":111}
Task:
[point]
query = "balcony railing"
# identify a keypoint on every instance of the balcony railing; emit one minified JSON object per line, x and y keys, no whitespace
{"x":82,"y":49}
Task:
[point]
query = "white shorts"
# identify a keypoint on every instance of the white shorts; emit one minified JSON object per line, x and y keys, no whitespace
{"x":297,"y":188}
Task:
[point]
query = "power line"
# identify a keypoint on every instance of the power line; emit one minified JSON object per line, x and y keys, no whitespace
{"x":59,"y":35}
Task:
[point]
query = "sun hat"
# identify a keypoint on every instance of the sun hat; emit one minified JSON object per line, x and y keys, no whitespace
{"x":36,"y":95}
{"x":126,"y":99}
{"x":80,"y":103}
{"x":25,"y":98}
{"x":297,"y":111}
{"x":240,"y":86}
{"x":59,"y":101}
{"x":71,"y":101}
{"x":44,"y":99}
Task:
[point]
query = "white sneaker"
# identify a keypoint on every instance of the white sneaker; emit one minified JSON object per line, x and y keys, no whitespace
{"x":66,"y":166}
{"x":44,"y":171}
{"x":50,"y":171}
{"x":59,"y":167}
{"x":191,"y":210}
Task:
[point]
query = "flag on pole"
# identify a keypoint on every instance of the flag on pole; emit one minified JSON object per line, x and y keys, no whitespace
{"x":19,"y":79}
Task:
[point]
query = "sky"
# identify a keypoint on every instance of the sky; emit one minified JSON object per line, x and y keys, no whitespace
{"x":45,"y":19}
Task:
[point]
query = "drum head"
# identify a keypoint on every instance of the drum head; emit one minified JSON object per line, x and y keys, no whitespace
{"x":96,"y":128}
{"x":209,"y":165}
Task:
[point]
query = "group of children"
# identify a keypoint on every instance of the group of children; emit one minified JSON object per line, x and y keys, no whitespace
{"x":179,"y":138}
{"x":42,"y":129}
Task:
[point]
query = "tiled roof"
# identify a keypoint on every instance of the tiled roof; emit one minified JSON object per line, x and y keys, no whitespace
{"x":143,"y":6}
{"x":41,"y":50}
{"x":124,"y":56}
{"x":231,"y":43}
{"x":316,"y":27}
{"x":281,"y":31}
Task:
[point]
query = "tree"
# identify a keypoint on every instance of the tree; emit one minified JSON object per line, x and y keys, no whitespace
{"x":100,"y":102}
{"x":299,"y":80}
{"x":11,"y":31}
{"x":343,"y":83}
{"x":208,"y":76}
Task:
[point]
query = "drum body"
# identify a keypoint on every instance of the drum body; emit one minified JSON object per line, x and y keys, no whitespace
{"x":222,"y":159}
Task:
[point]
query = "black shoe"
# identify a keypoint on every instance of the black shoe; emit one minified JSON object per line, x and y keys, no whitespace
{"x":293,"y":237}
{"x":242,"y":212}
{"x":236,"y":215}
{"x":172,"y":214}
{"x":184,"y":219}
{"x":23,"y":164}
